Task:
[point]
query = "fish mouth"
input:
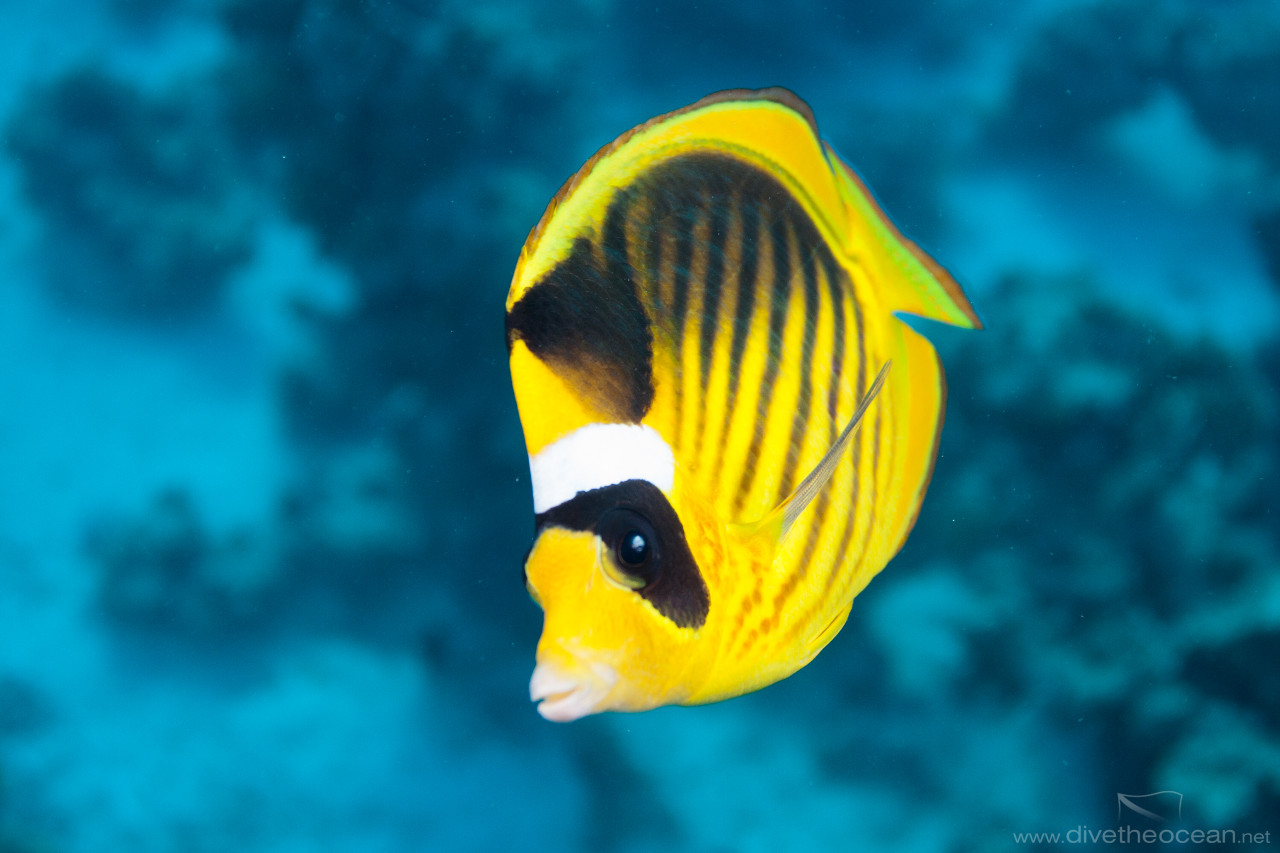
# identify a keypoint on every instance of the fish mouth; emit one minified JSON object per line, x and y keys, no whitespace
{"x":565,"y":695}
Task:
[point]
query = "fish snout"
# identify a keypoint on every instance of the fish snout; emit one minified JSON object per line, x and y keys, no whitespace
{"x":568,"y":691}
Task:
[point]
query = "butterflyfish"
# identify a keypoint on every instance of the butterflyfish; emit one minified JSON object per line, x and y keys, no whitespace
{"x":729,"y":430}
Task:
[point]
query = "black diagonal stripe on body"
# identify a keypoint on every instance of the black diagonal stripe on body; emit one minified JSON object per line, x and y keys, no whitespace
{"x":742,"y":316}
{"x":842,"y":552}
{"x":779,"y":293}
{"x":686,"y":224}
{"x":718,"y":234}
{"x":800,"y":420}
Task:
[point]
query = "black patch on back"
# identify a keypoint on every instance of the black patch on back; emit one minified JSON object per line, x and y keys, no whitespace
{"x":591,"y":319}
{"x":585,"y":321}
{"x":678,"y":591}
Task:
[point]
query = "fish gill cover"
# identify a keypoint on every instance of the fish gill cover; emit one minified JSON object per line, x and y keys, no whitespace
{"x":264,"y":496}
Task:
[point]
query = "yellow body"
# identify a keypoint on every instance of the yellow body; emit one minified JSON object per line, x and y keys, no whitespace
{"x":750,"y":282}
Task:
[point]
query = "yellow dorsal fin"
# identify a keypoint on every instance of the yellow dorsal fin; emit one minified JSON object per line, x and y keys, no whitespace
{"x":781,"y":518}
{"x":913,"y":282}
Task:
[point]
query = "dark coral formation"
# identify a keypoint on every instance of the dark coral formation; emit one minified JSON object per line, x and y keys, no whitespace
{"x":165,"y":570}
{"x":136,"y":194}
{"x":1092,"y":62}
{"x":384,"y":126}
{"x":1119,"y":484}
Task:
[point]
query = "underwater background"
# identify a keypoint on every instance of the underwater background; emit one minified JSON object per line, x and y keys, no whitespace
{"x":263,"y":489}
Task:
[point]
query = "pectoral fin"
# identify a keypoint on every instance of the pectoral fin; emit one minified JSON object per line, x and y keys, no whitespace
{"x":781,"y":518}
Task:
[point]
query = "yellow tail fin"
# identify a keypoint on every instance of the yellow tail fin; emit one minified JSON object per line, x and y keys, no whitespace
{"x":916,"y":283}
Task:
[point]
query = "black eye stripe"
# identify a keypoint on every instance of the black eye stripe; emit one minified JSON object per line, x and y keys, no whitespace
{"x":679,"y":592}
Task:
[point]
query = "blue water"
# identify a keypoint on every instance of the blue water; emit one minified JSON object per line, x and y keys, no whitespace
{"x":263,"y":491}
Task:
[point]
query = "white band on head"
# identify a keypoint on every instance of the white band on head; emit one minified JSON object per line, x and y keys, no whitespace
{"x":598,"y":455}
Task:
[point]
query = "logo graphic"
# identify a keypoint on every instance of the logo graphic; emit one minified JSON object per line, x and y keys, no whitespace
{"x":1161,"y":806}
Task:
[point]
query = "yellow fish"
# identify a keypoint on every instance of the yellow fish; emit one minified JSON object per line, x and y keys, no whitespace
{"x":700,"y":331}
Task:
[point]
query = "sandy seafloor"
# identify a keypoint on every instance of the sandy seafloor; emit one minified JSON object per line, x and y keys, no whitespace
{"x":263,"y":493}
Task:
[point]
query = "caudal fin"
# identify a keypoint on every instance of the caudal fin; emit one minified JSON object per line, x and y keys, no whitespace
{"x":915,"y":283}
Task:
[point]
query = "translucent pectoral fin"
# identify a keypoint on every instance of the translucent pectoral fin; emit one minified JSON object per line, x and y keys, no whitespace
{"x":784,"y":515}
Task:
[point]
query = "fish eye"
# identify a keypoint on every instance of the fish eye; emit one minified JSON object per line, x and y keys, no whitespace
{"x":633,"y":545}
{"x":633,"y":549}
